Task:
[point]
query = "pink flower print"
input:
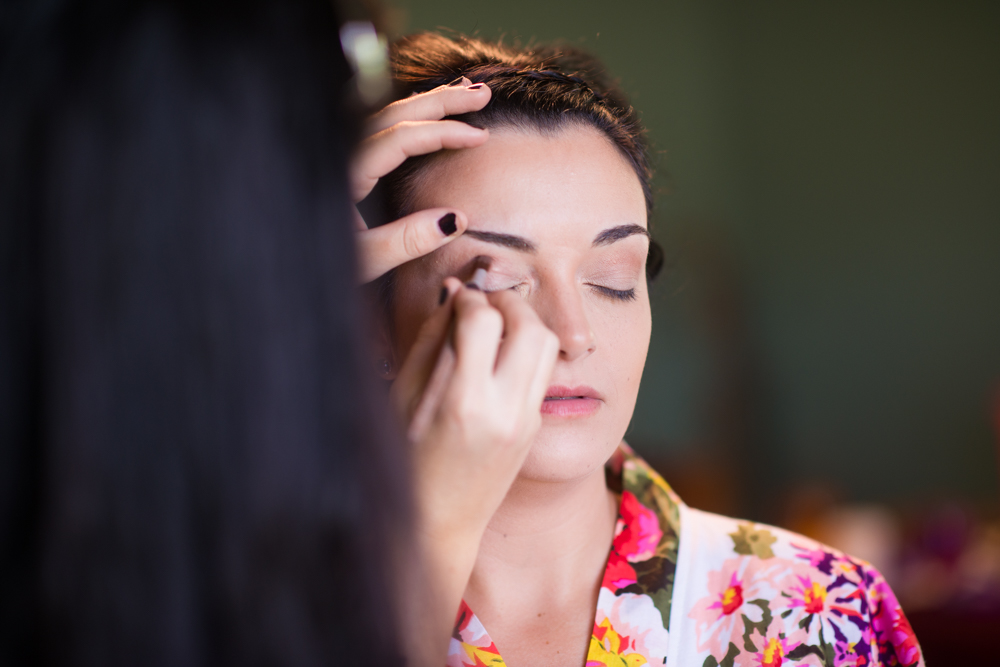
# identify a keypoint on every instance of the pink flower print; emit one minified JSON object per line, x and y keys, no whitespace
{"x":829,"y":561}
{"x":637,"y":620}
{"x":810,"y":595}
{"x":849,"y":654}
{"x":891,"y":626}
{"x":470,"y":644}
{"x":813,"y":597}
{"x":772,"y":648}
{"x":618,"y":574}
{"x":731,"y":599}
{"x":819,"y":558}
{"x":816,"y":598}
{"x":637,"y":534}
{"x":640,"y":530}
{"x":775,"y":650}
{"x":719,"y":616}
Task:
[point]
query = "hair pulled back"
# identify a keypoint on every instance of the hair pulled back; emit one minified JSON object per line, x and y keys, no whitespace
{"x":541,"y":88}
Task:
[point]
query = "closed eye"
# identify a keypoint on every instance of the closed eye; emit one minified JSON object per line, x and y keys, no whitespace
{"x":619,"y":294}
{"x":520,"y":288}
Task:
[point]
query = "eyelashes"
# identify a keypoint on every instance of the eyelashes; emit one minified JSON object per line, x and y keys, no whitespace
{"x":616,"y":294}
{"x":619,"y":294}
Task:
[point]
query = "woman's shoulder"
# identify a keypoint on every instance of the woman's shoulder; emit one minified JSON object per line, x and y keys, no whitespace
{"x":749,"y":593}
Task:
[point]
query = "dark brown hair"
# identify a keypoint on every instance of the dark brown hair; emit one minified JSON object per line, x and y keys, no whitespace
{"x":541,"y":88}
{"x":194,"y":469}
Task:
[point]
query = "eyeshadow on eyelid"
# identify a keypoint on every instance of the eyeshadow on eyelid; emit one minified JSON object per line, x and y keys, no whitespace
{"x":617,"y":273}
{"x":620,"y":255}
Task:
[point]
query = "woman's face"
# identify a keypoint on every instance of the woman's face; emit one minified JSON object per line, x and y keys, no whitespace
{"x":564,"y":218}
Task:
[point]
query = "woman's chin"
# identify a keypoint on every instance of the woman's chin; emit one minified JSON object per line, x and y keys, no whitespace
{"x":562,"y":453}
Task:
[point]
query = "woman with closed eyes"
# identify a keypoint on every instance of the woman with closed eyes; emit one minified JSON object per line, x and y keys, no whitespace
{"x":566,"y":548}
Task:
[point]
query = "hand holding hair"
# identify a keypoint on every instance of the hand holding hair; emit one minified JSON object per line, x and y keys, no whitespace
{"x":409,"y":127}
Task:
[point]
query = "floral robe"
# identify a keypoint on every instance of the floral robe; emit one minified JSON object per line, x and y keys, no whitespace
{"x":687,"y":588}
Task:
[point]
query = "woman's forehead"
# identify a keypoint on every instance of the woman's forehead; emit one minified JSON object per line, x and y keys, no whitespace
{"x":538,"y":186}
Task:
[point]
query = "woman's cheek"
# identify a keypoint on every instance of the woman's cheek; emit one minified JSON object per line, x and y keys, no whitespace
{"x":633,"y":331}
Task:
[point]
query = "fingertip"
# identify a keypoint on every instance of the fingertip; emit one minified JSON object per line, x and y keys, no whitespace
{"x":448,"y":223}
{"x":452,"y":224}
{"x":479,"y":131}
{"x":462,"y":135}
{"x":453,"y":284}
{"x":449,"y":286}
{"x":477,"y":138}
{"x":463,"y":292}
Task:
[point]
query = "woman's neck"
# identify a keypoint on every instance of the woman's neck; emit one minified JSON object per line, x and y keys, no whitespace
{"x":543,"y":542}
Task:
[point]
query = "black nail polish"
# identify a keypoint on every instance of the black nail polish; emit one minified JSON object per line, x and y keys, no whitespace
{"x":443,"y":297}
{"x":456,"y":82}
{"x":447,"y":224}
{"x":476,"y":86}
{"x":473,"y":286}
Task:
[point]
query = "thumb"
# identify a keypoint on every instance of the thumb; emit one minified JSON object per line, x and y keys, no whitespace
{"x":382,"y":249}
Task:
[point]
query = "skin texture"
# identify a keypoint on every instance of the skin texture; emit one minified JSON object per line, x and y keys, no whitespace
{"x":539,"y":564}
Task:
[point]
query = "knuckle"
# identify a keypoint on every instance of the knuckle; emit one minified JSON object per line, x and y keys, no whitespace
{"x":394,"y":106}
{"x":499,"y":430}
{"x":402,"y":127}
{"x":388,"y":111}
{"x":435,"y":108}
{"x":464,"y":412}
{"x":509,"y":431}
{"x":416,"y":241}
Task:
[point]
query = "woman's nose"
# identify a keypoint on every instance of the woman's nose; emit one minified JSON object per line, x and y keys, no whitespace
{"x":563,"y":312}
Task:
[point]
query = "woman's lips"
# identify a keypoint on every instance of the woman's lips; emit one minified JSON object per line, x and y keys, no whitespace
{"x":571,"y":401}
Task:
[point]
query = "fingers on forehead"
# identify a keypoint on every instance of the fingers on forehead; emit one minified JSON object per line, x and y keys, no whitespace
{"x":383,"y":152}
{"x":432,"y":105}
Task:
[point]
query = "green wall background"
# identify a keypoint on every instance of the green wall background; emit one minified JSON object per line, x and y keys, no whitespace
{"x":830,"y":201}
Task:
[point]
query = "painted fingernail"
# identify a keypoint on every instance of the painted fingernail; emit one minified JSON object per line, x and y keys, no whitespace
{"x":473,"y":286}
{"x":447,"y":224}
{"x":443,"y":297}
{"x":460,"y":81}
{"x":476,"y":86}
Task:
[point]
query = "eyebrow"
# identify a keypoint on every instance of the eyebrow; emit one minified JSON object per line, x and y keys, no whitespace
{"x":518,"y":243}
{"x":521,"y":244}
{"x":609,"y":236}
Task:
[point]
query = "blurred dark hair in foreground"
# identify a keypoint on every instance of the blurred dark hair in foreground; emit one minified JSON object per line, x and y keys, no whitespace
{"x":188,"y":461}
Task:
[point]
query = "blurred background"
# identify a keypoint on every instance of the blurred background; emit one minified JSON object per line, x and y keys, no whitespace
{"x":826,"y":341}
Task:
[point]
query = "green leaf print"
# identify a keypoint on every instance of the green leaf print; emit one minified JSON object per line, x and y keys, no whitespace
{"x":728,"y":661}
{"x":761,"y":625}
{"x":750,"y":541}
